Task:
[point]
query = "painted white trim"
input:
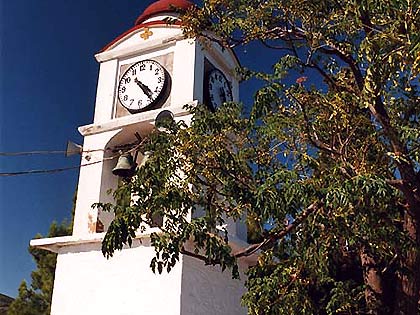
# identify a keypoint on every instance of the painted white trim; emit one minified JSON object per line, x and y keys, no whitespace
{"x":138,"y":49}
{"x":144,"y":118}
{"x":53,"y":244}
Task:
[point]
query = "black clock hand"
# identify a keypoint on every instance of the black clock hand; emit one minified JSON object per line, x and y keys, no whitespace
{"x":222,"y":95}
{"x":144,"y":88}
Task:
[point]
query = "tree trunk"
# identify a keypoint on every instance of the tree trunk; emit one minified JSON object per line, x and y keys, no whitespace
{"x":374,"y":290}
{"x":408,"y":291}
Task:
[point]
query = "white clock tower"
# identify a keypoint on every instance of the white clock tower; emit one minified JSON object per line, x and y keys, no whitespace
{"x":149,"y":69}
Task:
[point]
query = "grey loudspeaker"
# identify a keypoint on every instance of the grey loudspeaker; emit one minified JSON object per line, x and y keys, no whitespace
{"x":73,"y":148}
{"x":163,"y":119}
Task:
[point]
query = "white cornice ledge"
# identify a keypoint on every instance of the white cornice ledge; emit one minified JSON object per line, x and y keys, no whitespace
{"x":139,"y":48}
{"x":54,"y":244}
{"x":146,"y":117}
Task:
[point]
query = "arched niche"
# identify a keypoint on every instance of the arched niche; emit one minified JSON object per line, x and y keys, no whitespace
{"x":109,"y":181}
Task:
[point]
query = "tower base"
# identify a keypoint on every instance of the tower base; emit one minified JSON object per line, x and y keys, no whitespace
{"x":87,"y":283}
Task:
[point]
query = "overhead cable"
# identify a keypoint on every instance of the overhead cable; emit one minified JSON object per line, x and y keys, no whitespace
{"x":57,"y":170}
{"x":46,"y":152}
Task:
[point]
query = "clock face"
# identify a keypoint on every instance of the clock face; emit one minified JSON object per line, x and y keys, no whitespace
{"x":218,"y":89}
{"x":142,"y":85}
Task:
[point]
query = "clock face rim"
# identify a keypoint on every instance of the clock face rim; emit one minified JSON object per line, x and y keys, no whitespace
{"x":208,"y":92}
{"x":158,"y":98}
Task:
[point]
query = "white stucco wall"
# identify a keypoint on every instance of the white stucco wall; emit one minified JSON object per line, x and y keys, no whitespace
{"x":87,"y":283}
{"x":90,"y":183}
{"x":208,"y":291}
{"x":105,"y":91}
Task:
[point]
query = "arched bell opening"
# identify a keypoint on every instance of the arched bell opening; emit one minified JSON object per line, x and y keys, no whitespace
{"x":122,"y":157}
{"x":117,"y":149}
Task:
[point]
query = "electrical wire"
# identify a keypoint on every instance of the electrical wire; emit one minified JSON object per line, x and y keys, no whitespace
{"x":51,"y":171}
{"x":30,"y":153}
{"x":57,"y":170}
{"x":46,"y":152}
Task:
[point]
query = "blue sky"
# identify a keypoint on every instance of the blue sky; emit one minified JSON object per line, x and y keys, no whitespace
{"x":48,"y":78}
{"x":47,"y":89}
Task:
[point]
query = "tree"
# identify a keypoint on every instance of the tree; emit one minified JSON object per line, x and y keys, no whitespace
{"x":331,"y":145}
{"x":36,"y":300}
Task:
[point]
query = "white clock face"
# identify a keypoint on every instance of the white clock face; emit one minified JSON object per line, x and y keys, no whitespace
{"x":142,"y":85}
{"x":218,"y":89}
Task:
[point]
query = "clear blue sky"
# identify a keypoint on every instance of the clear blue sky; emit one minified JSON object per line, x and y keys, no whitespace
{"x":48,"y":79}
{"x":47,"y":87}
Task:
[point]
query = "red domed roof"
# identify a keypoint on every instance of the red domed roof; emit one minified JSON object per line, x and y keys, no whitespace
{"x":163,"y":6}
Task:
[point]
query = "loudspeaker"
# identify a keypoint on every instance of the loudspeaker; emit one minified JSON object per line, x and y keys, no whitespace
{"x":73,"y":148}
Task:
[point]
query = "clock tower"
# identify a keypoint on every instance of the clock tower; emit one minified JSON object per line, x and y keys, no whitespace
{"x":149,"y":69}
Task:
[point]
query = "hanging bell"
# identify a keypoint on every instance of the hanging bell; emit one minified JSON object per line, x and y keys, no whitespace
{"x":125,"y":166}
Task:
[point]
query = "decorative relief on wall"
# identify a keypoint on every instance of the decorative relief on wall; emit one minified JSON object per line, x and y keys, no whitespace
{"x":146,"y":33}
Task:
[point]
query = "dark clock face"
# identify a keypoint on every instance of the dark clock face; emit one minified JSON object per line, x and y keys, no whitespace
{"x":218,"y":89}
{"x":142,"y":85}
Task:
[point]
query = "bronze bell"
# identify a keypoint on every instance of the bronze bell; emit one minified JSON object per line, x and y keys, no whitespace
{"x":125,"y":166}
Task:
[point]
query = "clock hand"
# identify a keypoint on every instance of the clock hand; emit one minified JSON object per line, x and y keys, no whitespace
{"x":222,"y":95}
{"x":144,"y":88}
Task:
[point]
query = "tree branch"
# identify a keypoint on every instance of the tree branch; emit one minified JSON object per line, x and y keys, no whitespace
{"x":274,"y":237}
{"x":314,"y":138}
{"x":322,"y":73}
{"x":275,"y":47}
{"x":194,"y":255}
{"x":347,"y":59}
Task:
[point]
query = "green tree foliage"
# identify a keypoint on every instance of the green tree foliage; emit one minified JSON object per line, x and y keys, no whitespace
{"x":36,"y":299}
{"x":329,"y":152}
